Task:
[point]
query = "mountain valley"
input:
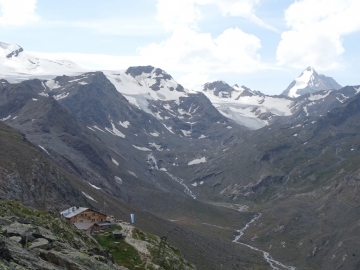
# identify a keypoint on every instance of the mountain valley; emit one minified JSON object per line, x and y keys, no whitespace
{"x":199,"y":165}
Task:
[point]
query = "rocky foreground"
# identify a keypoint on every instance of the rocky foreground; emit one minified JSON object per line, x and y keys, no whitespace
{"x":31,"y":239}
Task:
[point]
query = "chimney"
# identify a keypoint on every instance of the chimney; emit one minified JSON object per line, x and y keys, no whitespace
{"x":73,"y":209}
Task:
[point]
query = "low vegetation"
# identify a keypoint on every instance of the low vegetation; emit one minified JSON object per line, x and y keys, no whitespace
{"x":125,"y":254}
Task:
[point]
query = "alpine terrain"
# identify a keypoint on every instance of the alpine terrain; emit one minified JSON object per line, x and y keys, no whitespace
{"x":234,"y":178}
{"x":310,"y":81}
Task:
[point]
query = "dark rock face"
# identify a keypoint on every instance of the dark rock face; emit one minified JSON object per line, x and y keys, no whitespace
{"x":137,"y":71}
{"x":330,"y":82}
{"x":14,"y":96}
{"x":26,"y":175}
{"x":15,"y":53}
{"x":223,"y":90}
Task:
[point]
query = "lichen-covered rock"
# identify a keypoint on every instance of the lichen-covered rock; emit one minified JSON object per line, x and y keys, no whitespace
{"x":75,"y":260}
{"x":16,"y":239}
{"x":39,"y":243}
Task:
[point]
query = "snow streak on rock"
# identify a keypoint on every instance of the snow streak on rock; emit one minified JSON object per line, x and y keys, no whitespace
{"x":6,"y":118}
{"x":88,"y":196}
{"x":141,"y":148}
{"x":181,"y":182}
{"x":43,"y":148}
{"x":93,"y":186}
{"x":115,"y":162}
{"x":152,"y":162}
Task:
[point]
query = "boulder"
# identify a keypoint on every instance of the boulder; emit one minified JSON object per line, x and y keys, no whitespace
{"x":41,"y":243}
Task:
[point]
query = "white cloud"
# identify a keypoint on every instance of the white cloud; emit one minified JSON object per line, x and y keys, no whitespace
{"x":194,"y":56}
{"x":126,"y":26}
{"x":17,"y":12}
{"x":188,"y":51}
{"x":96,"y":61}
{"x":316,"y":31}
{"x":238,"y":8}
{"x":177,"y":13}
{"x":194,"y":80}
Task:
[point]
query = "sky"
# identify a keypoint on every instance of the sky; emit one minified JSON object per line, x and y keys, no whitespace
{"x":262,"y":44}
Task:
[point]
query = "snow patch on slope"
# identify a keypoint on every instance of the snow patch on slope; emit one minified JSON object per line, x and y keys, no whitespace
{"x":6,"y":118}
{"x":319,"y":96}
{"x":61,"y":96}
{"x":125,"y":124}
{"x":115,"y":131}
{"x":118,"y":180}
{"x":93,"y":186}
{"x":88,"y":196}
{"x":141,"y":148}
{"x":115,"y":162}
{"x":197,"y":161}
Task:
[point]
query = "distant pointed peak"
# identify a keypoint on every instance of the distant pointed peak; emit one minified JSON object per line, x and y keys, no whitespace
{"x":310,"y":81}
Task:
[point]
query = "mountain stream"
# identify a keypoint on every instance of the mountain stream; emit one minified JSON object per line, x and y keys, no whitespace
{"x":275,"y":265}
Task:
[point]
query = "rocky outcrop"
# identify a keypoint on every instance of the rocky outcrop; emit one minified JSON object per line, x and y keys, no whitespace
{"x":43,"y":240}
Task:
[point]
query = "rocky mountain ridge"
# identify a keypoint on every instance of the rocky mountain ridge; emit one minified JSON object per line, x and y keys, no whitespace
{"x":254,"y":110}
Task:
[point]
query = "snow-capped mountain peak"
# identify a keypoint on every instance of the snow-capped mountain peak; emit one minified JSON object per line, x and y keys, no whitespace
{"x":154,"y":78}
{"x":310,"y":81}
{"x":221,"y":89}
{"x":16,"y":65}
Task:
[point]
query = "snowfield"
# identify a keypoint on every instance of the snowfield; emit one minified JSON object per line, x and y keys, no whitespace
{"x":17,"y":65}
{"x":246,"y":109}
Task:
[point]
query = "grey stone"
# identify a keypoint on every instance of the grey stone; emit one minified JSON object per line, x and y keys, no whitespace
{"x":16,"y":239}
{"x":41,"y":243}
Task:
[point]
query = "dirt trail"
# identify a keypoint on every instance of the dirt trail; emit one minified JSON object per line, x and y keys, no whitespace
{"x":140,"y":246}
